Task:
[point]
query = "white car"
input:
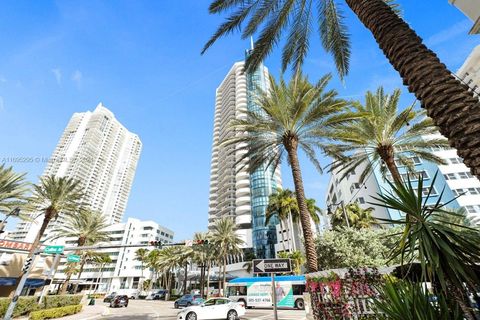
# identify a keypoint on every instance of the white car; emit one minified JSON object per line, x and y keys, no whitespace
{"x":216,"y":308}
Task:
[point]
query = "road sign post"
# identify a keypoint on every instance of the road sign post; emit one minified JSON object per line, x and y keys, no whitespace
{"x":54,"y":249}
{"x":50,"y":276}
{"x":18,"y":291}
{"x":272,"y":266}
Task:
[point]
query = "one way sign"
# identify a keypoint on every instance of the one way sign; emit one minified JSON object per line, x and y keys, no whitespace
{"x":271,"y":265}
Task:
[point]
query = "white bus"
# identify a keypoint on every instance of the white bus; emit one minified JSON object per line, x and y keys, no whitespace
{"x":256,"y":292}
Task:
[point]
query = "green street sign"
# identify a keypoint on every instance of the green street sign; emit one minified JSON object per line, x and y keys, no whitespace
{"x":54,"y":249}
{"x":73,"y":258}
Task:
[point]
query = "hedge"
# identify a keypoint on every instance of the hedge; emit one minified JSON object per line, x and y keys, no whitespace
{"x":55,"y":312}
{"x":24,"y":306}
{"x":50,"y":302}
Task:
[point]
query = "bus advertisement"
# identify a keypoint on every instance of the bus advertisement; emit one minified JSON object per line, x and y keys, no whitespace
{"x":256,"y":292}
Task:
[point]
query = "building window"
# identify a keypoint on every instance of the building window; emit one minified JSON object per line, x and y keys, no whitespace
{"x":472,"y":209}
{"x":450,"y":176}
{"x":361,"y":200}
{"x":426,"y":190}
{"x":473,"y":191}
{"x":135,"y":282}
{"x":455,"y":160}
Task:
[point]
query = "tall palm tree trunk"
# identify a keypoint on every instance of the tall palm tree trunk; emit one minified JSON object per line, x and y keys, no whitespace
{"x":388,"y":157}
{"x":185,"y":279}
{"x":208,"y":278}
{"x":291,"y":145}
{"x":448,"y":102}
{"x":224,"y":275}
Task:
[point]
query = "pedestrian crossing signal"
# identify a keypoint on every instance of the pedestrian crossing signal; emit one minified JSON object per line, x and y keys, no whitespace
{"x":27,"y":264}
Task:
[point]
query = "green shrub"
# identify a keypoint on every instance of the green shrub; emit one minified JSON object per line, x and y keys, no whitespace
{"x":24,"y":306}
{"x":55,"y":312}
{"x":50,"y":302}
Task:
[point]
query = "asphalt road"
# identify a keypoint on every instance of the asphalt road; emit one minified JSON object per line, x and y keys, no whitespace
{"x":144,"y":309}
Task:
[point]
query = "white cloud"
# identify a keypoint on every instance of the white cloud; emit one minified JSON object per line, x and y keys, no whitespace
{"x":77,"y":77}
{"x":58,"y":75}
{"x":449,"y":33}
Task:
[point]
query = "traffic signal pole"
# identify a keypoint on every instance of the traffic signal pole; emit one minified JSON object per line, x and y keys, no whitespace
{"x":21,"y":284}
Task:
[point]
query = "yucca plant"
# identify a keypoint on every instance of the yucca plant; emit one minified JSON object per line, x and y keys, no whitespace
{"x":405,"y":300}
{"x":448,"y":253}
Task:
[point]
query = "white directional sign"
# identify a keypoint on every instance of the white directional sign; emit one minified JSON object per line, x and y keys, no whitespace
{"x":272,"y":265}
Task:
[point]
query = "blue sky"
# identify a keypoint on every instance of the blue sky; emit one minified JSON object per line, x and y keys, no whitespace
{"x":142,"y":60}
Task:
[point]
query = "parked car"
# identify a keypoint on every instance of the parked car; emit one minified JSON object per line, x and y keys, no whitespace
{"x":131,"y":293}
{"x":188,"y":300}
{"x":215,"y":308}
{"x":119,"y":301}
{"x":109,"y":297}
{"x":156,"y":294}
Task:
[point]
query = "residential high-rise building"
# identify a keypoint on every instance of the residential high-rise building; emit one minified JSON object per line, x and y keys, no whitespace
{"x":469,"y":73}
{"x":102,"y":154}
{"x":234,"y":191}
{"x":471,"y":9}
{"x":453,"y":179}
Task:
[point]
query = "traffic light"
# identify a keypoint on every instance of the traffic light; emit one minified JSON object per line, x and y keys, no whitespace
{"x":156,"y":244}
{"x":27,"y":264}
{"x":200,"y":242}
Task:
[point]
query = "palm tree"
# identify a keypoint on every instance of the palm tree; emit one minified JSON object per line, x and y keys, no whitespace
{"x":358,"y":217}
{"x":71,"y":268}
{"x":297,"y":258}
{"x":200,"y":256}
{"x":294,"y":115}
{"x":384,"y":136}
{"x":282,"y":205}
{"x":88,"y":227}
{"x":13,"y":187}
{"x":52,"y":196}
{"x":153,"y":262}
{"x":227,"y":242}
{"x":101,"y":259}
{"x":451,"y":105}
{"x":142,"y":256}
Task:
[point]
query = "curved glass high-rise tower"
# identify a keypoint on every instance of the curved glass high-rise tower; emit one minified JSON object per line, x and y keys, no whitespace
{"x":234,"y":192}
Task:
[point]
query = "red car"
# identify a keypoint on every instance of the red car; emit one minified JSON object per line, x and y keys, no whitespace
{"x":119,"y":301}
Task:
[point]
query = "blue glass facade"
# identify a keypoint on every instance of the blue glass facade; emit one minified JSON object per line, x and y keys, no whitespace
{"x":262,"y":183}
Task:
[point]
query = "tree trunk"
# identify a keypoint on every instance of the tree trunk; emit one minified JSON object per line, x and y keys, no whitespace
{"x":291,"y":145}
{"x":185,"y":279}
{"x":293,"y":246}
{"x":208,"y":279}
{"x":64,"y":287}
{"x":387,"y":154}
{"x":224,"y":275}
{"x":452,"y":107}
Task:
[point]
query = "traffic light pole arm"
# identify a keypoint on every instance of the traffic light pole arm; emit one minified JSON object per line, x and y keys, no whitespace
{"x":121,"y":246}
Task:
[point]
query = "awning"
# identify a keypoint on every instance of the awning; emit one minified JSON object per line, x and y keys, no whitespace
{"x":31,"y":283}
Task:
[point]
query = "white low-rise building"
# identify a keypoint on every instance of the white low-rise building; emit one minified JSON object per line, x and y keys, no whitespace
{"x":125,"y":272}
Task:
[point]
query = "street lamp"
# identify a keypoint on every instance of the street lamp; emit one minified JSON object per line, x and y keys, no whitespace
{"x":15,"y":212}
{"x":329,"y":211}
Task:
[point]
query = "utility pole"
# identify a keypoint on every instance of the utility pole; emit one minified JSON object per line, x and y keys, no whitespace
{"x":28,"y":266}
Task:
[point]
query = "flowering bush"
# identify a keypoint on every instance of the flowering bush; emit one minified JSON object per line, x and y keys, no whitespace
{"x":349,"y":297}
